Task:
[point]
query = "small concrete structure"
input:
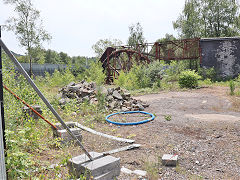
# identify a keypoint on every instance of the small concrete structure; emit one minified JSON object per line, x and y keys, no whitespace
{"x":101,"y":168}
{"x":64,"y":135}
{"x":29,"y":112}
{"x":169,"y":160}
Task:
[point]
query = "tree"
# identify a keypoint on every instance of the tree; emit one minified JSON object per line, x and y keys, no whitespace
{"x":100,"y":46}
{"x":208,"y":18}
{"x":52,"y":57}
{"x":27,"y":26}
{"x":65,"y":59}
{"x":136,"y":35}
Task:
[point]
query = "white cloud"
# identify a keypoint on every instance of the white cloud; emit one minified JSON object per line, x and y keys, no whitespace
{"x":76,"y":25}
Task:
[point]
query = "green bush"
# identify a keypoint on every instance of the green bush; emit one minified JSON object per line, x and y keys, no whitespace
{"x":154,"y":71}
{"x":232,"y":87}
{"x":209,"y":73}
{"x":95,"y":73}
{"x":188,"y":79}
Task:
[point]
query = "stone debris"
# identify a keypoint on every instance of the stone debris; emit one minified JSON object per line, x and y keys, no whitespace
{"x":116,"y":99}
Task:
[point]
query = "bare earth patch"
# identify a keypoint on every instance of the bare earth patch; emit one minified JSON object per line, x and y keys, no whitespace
{"x":204,"y":130}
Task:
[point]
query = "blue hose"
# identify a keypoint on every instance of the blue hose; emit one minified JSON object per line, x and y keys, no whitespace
{"x":130,"y":123}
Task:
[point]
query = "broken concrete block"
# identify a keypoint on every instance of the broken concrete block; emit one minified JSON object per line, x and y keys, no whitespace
{"x":169,"y":160}
{"x":32,"y":114}
{"x":100,"y":168}
{"x":69,"y":124}
{"x":140,"y":172}
{"x":126,"y":170}
{"x":65,"y":136}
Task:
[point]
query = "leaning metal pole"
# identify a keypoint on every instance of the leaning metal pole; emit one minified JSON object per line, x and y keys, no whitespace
{"x":20,"y":68}
{"x":1,"y":93}
{"x":3,"y":174}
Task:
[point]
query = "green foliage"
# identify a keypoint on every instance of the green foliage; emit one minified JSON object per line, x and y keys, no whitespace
{"x":188,"y":79}
{"x":56,"y":79}
{"x":168,"y":117}
{"x":208,"y":18}
{"x":136,"y":35}
{"x":152,"y":169}
{"x":95,"y":73}
{"x":209,"y":73}
{"x":100,"y":46}
{"x":154,"y":72}
{"x":232,"y":87}
{"x":131,"y":80}
{"x":18,"y":162}
{"x":27,"y":26}
{"x":154,"y":75}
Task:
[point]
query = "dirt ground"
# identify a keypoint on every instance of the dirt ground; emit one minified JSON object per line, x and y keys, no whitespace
{"x":203,"y":129}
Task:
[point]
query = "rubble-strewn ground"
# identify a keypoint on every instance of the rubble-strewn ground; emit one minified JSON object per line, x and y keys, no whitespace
{"x":203,"y":129}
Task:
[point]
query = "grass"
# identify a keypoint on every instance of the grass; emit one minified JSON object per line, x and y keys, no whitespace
{"x":34,"y":146}
{"x":168,"y":117}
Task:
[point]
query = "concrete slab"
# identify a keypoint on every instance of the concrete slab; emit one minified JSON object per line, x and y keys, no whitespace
{"x":169,"y":160}
{"x":106,"y":167}
{"x":111,"y":175}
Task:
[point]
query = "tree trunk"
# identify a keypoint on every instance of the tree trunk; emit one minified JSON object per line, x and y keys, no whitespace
{"x":30,"y":70}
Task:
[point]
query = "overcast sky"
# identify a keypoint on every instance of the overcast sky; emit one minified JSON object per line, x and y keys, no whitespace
{"x":75,"y":25}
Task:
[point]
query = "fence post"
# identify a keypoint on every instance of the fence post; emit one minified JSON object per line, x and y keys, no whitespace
{"x":2,"y":125}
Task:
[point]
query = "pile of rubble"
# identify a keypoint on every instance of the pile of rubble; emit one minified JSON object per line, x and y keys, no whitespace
{"x":115,"y":98}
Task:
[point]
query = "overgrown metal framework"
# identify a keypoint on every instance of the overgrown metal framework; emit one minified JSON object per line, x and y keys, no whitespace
{"x":118,"y":58}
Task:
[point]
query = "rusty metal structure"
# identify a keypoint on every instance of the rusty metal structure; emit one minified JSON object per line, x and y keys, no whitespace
{"x":118,"y":58}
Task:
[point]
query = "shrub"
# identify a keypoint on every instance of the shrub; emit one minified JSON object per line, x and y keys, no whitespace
{"x":232,"y":87}
{"x":209,"y":73}
{"x":95,"y":73}
{"x":188,"y":79}
{"x":154,"y":72}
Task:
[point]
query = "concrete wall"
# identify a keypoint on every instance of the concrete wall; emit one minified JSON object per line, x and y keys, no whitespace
{"x":223,"y":54}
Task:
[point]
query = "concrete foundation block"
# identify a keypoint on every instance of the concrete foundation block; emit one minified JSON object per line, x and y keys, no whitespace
{"x":29,"y":112}
{"x":101,"y":168}
{"x":70,"y":124}
{"x":170,"y":160}
{"x":62,"y":133}
{"x":111,"y":175}
{"x":66,"y":137}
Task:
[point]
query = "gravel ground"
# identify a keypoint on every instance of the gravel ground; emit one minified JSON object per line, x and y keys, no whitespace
{"x":203,"y":128}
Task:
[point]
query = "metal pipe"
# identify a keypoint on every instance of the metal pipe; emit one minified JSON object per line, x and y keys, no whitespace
{"x":19,"y":66}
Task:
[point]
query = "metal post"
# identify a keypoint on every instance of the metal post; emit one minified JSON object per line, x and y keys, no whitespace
{"x":1,"y":93}
{"x":2,"y":125}
{"x":20,"y":68}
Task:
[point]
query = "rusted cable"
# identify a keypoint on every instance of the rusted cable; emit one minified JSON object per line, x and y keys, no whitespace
{"x":37,"y":113}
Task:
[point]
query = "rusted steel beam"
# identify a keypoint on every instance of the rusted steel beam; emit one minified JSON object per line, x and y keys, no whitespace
{"x":185,"y":49}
